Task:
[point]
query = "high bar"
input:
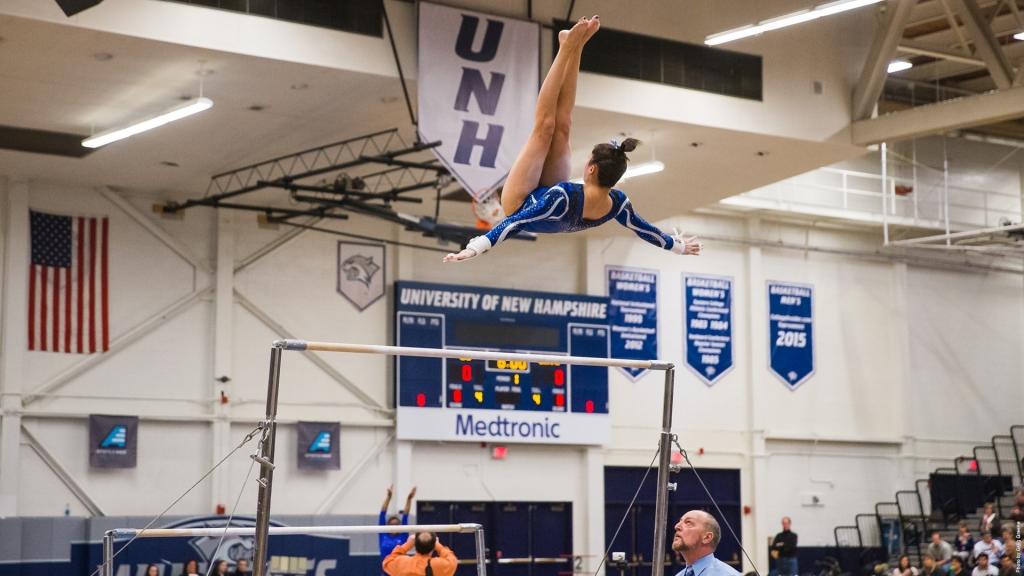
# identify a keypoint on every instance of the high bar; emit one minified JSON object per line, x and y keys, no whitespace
{"x":284,"y":530}
{"x":303,"y":345}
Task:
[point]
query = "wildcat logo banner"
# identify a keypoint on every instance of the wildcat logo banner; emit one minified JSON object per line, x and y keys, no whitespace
{"x":478,"y":82}
{"x":113,"y":441}
{"x":361,"y":275}
{"x":318,"y":445}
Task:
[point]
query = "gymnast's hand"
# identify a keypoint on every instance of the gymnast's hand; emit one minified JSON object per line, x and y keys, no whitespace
{"x":475,"y":247}
{"x":686,"y":246}
{"x":465,"y":254}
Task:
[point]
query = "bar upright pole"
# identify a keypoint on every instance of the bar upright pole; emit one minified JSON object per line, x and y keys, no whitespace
{"x":664,"y":461}
{"x":266,"y":461}
{"x":481,"y":553}
{"x":108,"y":553}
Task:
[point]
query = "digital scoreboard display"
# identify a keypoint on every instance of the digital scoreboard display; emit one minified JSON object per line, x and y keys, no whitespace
{"x":501,"y":400}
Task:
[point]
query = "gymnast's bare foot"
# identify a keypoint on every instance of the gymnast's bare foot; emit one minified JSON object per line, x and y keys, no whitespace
{"x":593,"y":25}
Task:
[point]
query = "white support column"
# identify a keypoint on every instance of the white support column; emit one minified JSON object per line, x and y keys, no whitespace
{"x":593,"y":466}
{"x":15,"y":345}
{"x":403,"y":475}
{"x":753,"y":487}
{"x":221,"y":380}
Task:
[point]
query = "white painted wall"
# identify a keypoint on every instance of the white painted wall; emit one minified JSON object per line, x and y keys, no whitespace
{"x":914,"y":365}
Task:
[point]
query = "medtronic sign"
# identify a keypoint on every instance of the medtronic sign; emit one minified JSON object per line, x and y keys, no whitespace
{"x":508,"y":400}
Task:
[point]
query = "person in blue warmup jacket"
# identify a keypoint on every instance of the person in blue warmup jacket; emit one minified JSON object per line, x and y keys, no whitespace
{"x":388,"y":541}
{"x":537,"y":196}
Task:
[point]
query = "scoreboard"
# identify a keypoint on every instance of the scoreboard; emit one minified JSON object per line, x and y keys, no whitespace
{"x":501,"y":400}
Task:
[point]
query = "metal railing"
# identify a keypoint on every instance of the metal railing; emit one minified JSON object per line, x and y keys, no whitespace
{"x":907,"y":201}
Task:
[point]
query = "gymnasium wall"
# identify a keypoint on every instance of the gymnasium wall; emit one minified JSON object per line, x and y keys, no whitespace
{"x":914,"y":365}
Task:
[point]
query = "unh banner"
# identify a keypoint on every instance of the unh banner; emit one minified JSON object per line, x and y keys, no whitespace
{"x":318,"y":445}
{"x":708,"y":303}
{"x":113,"y":441}
{"x":791,"y":332}
{"x":633,"y":315}
{"x":478,"y":81}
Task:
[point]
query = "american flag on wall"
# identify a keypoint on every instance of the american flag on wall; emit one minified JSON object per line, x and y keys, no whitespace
{"x":68,"y":309}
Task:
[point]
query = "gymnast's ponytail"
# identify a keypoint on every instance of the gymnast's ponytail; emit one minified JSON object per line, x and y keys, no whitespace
{"x":610,"y":160}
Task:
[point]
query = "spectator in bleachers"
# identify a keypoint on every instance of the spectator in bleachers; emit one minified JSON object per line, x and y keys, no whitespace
{"x":989,"y":520}
{"x":964,"y":544}
{"x":191,"y":568}
{"x":929,"y":567}
{"x":1009,"y":544}
{"x":1017,"y":514}
{"x":1019,"y":501}
{"x":905,"y":568}
{"x":1007,"y":566}
{"x":940,"y":550}
{"x":984,"y":568}
{"x":221,"y":568}
{"x":988,"y":546}
{"x":956,"y":567}
{"x":152,"y":570}
{"x":241,"y":567}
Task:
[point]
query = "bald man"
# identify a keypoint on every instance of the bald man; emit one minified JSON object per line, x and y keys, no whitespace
{"x":697,"y":535}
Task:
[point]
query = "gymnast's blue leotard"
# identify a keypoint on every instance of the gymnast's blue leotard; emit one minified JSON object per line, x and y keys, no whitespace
{"x":559,"y":208}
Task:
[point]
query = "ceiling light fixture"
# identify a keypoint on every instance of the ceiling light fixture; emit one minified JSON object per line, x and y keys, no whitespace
{"x":176,"y":113}
{"x":898,"y":66}
{"x":638,"y":170}
{"x":787,"y":20}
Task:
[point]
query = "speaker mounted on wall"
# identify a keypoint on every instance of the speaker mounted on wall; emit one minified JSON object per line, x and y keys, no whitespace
{"x":72,"y":7}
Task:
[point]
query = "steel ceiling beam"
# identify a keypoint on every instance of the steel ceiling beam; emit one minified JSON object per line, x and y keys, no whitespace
{"x":985,"y":42}
{"x":872,"y":78}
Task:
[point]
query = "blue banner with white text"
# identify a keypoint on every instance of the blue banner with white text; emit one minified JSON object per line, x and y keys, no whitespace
{"x":633,"y":315}
{"x":791,"y":332}
{"x":708,"y":310}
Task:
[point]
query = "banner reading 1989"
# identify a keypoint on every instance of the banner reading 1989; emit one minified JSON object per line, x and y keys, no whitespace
{"x":791,"y":332}
{"x":633,"y":315}
{"x":708,"y":302}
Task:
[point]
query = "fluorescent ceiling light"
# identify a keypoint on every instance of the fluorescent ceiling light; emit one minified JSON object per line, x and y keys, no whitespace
{"x":177,"y":113}
{"x":1019,"y":35}
{"x":638,"y":170}
{"x":787,"y":20}
{"x":898,"y":65}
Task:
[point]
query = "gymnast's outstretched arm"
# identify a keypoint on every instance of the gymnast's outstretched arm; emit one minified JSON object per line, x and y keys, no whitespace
{"x":653,"y":235}
{"x":552,"y":205}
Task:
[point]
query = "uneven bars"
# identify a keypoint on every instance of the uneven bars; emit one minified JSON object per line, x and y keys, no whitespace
{"x":303,"y":345}
{"x":286,"y":530}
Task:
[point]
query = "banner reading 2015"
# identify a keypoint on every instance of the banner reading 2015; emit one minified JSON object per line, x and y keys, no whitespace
{"x":633,"y":315}
{"x":708,"y":302}
{"x":791,"y":331}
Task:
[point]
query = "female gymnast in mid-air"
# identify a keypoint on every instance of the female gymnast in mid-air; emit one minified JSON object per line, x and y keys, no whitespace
{"x":536,"y":193}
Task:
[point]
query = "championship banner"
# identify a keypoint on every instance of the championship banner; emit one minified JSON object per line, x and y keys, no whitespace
{"x":361,"y":273}
{"x":708,"y":320}
{"x":477,"y":84}
{"x":633,"y":315}
{"x":318,"y":445}
{"x":113,"y":441}
{"x":791,"y":332}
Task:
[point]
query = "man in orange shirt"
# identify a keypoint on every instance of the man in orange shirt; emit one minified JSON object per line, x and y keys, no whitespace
{"x":399,"y":564}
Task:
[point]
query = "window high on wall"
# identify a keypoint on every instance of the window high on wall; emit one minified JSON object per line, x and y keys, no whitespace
{"x":357,"y":16}
{"x":694,"y":66}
